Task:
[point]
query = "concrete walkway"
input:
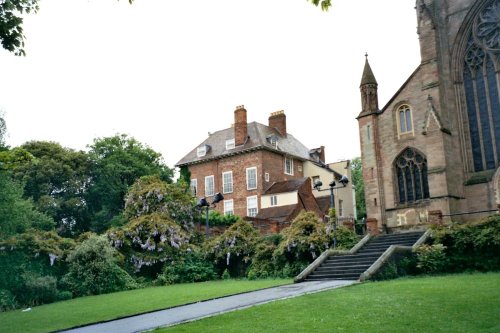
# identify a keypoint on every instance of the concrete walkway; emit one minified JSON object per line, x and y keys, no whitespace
{"x":185,"y":313}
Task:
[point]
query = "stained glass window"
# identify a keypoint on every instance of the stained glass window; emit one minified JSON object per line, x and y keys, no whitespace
{"x":411,"y":172}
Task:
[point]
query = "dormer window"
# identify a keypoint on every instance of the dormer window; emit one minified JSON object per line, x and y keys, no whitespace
{"x":273,"y":140}
{"x":230,"y":144}
{"x":202,"y":150}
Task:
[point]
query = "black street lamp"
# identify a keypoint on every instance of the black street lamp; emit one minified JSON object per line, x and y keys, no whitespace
{"x":204,"y":203}
{"x":317,"y":186}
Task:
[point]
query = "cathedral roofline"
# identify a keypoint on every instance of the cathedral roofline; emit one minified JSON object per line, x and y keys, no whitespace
{"x":401,"y":88}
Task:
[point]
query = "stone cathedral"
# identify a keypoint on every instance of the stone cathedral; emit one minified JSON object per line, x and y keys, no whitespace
{"x":433,"y":151}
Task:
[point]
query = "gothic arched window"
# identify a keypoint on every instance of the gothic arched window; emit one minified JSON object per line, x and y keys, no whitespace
{"x":411,"y":174}
{"x":404,"y":116}
{"x":482,"y":88}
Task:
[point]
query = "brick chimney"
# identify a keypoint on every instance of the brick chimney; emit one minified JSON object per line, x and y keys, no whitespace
{"x":277,"y":120}
{"x":240,"y":125}
{"x":322,"y":154}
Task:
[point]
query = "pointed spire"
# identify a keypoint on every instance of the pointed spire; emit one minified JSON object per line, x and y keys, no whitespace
{"x":368,"y":77}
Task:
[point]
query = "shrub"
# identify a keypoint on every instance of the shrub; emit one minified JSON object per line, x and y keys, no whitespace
{"x":226,"y":275}
{"x":39,"y":290}
{"x":303,"y":241}
{"x":93,"y":269}
{"x":233,"y":249}
{"x":473,"y":246}
{"x":263,"y":264}
{"x":193,"y":267}
{"x":7,"y":300}
{"x":431,"y":258}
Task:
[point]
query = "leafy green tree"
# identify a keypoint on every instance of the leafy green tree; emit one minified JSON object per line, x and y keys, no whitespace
{"x":56,"y":178}
{"x":93,"y":269}
{"x":359,"y":187}
{"x":3,"y":131}
{"x":118,"y":162}
{"x":16,"y":213}
{"x":324,"y":4}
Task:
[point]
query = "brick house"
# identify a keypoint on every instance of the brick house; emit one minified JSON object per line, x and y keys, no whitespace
{"x":242,"y":162}
{"x":434,"y":148}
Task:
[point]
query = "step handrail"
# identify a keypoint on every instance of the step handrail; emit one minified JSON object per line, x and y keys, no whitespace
{"x":393,"y":249}
{"x":325,"y":255}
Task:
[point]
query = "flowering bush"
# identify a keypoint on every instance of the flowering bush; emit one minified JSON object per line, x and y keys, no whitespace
{"x":192,"y":267}
{"x":93,"y":269}
{"x":233,"y":249}
{"x":150,"y":240}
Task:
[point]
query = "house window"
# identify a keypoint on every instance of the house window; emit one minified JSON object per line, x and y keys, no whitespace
{"x":194,"y":186}
{"x":341,"y":208}
{"x":251,"y":178}
{"x":411,"y":174}
{"x":228,"y":207}
{"x":266,"y":177}
{"x":252,"y":206}
{"x":288,"y":166}
{"x":227,"y":182}
{"x":404,"y":115}
{"x":230,"y":144}
{"x":209,"y":186}
{"x":274,"y":200}
{"x":202,"y":150}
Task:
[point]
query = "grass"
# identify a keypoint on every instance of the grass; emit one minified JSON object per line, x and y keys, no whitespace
{"x":455,"y":303}
{"x":85,"y":310}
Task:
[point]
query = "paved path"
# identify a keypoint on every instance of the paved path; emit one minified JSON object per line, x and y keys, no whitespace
{"x":180,"y":314}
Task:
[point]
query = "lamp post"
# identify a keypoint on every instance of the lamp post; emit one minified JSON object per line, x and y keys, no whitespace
{"x":204,"y":203}
{"x":317,"y":186}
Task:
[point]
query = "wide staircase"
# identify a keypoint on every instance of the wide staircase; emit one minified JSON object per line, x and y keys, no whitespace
{"x":351,"y":266}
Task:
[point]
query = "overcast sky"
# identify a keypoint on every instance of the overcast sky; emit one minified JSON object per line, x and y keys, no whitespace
{"x":168,"y":72}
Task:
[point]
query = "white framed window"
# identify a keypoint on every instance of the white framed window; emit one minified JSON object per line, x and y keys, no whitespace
{"x":229,"y":207}
{"x":252,"y":208}
{"x":194,"y":186}
{"x":230,"y":144}
{"x":274,"y":200}
{"x":227,"y":182}
{"x":209,"y":186}
{"x":405,"y":121}
{"x":266,"y":177}
{"x":201,"y":151}
{"x":251,"y":178}
{"x":288,"y":166}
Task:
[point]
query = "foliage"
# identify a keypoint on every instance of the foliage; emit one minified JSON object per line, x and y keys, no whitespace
{"x":56,"y":178}
{"x":150,"y":241}
{"x":11,"y":20}
{"x":225,"y":275}
{"x":93,"y":269}
{"x":473,"y":246}
{"x":118,"y":162}
{"x":30,"y":263}
{"x":304,"y":239}
{"x":16,"y":213}
{"x":190,"y":268}
{"x":3,"y":133}
{"x":233,"y":250}
{"x":263,"y":263}
{"x":431,"y":258}
{"x":324,"y":4}
{"x":7,"y":300}
{"x":184,"y":176}
{"x":217,"y":219}
{"x":149,"y":194}
{"x":359,"y":187}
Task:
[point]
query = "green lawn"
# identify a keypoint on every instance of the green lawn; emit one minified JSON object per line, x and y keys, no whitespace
{"x":455,"y":303}
{"x":91,"y":309}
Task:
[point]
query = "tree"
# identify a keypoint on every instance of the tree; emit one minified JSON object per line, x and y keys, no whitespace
{"x":359,"y":187}
{"x":16,"y":213}
{"x":56,"y":178}
{"x":324,"y":4}
{"x":117,"y":162}
{"x":3,"y":131}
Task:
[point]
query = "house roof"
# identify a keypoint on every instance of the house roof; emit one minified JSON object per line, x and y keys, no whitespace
{"x":258,"y":138}
{"x":323,"y":203}
{"x":279,"y":213}
{"x":286,"y":186}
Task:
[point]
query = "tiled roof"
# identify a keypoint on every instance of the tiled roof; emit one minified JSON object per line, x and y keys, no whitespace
{"x":258,"y":138}
{"x":323,"y":203}
{"x":279,"y":213}
{"x":286,"y":186}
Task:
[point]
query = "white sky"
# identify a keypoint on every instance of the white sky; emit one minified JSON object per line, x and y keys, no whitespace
{"x":168,"y":72}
